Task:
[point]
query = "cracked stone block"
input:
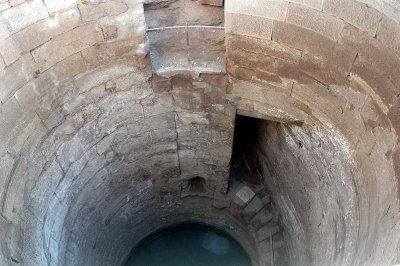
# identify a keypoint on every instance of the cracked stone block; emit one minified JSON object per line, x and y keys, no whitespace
{"x":252,"y":209}
{"x":244,"y":196}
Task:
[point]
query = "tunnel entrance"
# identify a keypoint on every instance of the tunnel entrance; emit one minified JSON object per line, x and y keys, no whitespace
{"x":189,"y":244}
{"x":244,"y":164}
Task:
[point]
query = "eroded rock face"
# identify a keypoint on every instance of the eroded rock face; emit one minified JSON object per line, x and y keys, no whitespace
{"x":96,"y":149}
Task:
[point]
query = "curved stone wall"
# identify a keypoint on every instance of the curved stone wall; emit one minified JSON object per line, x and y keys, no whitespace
{"x":96,"y":151}
{"x":331,"y":68}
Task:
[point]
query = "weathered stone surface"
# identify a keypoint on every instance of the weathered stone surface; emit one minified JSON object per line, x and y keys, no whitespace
{"x":181,"y":12}
{"x":317,"y":21}
{"x":221,"y":201}
{"x":58,"y":5}
{"x":16,"y":2}
{"x":389,"y":34}
{"x":252,"y":208}
{"x":213,"y":2}
{"x":4,"y":4}
{"x":275,"y":10}
{"x":110,"y":32}
{"x":376,"y":79}
{"x":374,"y":52}
{"x":9,"y":118}
{"x":25,"y":14}
{"x":357,"y":14}
{"x":316,"y":4}
{"x":251,"y":60}
{"x":42,"y":31}
{"x":334,"y":57}
{"x":113,"y":51}
{"x":261,"y":219}
{"x":267,"y":231}
{"x":11,"y":50}
{"x":16,"y":75}
{"x":91,"y":11}
{"x":65,"y":45}
{"x":394,"y":115}
{"x":243,"y":196}
{"x":263,"y":46}
{"x":126,"y":143}
{"x":6,"y":163}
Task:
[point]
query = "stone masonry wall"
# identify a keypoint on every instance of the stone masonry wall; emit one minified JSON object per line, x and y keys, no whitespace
{"x":331,"y":67}
{"x":91,"y":145}
{"x":96,"y":151}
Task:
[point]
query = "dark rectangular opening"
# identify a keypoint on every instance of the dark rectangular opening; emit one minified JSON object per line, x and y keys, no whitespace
{"x":244,"y":166}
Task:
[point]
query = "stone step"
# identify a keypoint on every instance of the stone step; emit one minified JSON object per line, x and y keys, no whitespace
{"x":266,"y":231}
{"x":261,"y":218}
{"x":252,"y":209}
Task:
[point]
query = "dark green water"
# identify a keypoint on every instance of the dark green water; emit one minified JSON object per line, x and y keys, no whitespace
{"x":189,"y":246}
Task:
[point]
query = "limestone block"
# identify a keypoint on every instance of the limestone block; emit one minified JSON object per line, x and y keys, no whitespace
{"x":255,"y":75}
{"x":355,"y":13}
{"x":394,"y":116}
{"x":375,"y":79}
{"x":189,"y":100}
{"x":243,"y":196}
{"x":4,"y":30}
{"x":264,"y":46}
{"x":275,"y":10}
{"x":130,"y":24}
{"x":267,"y":231}
{"x":374,"y":52}
{"x":163,"y":103}
{"x":30,"y":130}
{"x":10,"y":117}
{"x":112,"y":51}
{"x":252,"y":208}
{"x":44,"y":188}
{"x":389,"y":34}
{"x":248,"y":25}
{"x":94,"y":78}
{"x":25,"y":14}
{"x":314,"y":20}
{"x":69,"y":67}
{"x":110,"y":32}
{"x":316,"y":4}
{"x":4,"y":4}
{"x":386,"y":7}
{"x":95,"y":11}
{"x":42,"y":31}
{"x":213,"y":2}
{"x":252,"y":60}
{"x":65,"y":45}
{"x":58,"y":5}
{"x":265,"y":245}
{"x":16,"y":2}
{"x":10,"y":50}
{"x":2,"y":65}
{"x":221,"y":201}
{"x":27,"y":98}
{"x":261,"y":218}
{"x":16,"y":75}
{"x":165,"y":123}
{"x":334,"y":57}
{"x":6,"y":163}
